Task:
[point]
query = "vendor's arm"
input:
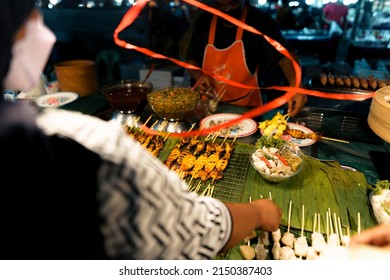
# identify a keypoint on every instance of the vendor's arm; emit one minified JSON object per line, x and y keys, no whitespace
{"x":295,"y":104}
{"x":203,"y":82}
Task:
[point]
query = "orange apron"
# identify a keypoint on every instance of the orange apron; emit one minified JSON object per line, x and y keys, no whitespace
{"x":230,"y":63}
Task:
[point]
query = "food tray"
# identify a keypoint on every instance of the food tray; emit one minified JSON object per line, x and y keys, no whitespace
{"x":315,"y":84}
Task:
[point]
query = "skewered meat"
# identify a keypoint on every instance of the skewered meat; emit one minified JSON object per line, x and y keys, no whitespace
{"x":333,"y":240}
{"x":323,"y":79}
{"x":318,"y":242}
{"x":299,"y":134}
{"x":276,"y":235}
{"x":215,"y":175}
{"x":203,"y":175}
{"x":211,"y":162}
{"x":381,"y":83}
{"x":286,"y":253}
{"x":173,"y":156}
{"x":372,"y":82}
{"x":264,"y":238}
{"x":311,"y":254}
{"x":276,"y":250}
{"x":222,"y":162}
{"x":355,"y":81}
{"x":288,"y":239}
{"x":339,"y":81}
{"x":247,"y":252}
{"x":331,"y":79}
{"x":363,"y":82}
{"x":200,"y":162}
{"x":347,"y":81}
{"x":261,"y":251}
{"x":188,"y":162}
{"x":301,"y":246}
{"x":345,"y":239}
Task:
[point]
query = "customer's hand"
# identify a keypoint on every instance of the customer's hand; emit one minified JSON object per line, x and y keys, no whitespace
{"x":296,"y":104}
{"x":376,"y":236}
{"x":269,"y":214}
{"x":261,"y":214}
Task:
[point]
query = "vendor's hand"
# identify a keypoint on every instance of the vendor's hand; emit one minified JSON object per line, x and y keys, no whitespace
{"x":296,"y":104}
{"x":204,"y":84}
{"x":377,"y":236}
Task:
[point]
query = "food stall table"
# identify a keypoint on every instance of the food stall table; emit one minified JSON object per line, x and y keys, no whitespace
{"x":335,"y":178}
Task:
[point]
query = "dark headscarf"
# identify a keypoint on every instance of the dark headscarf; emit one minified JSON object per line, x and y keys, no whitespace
{"x":13,"y":13}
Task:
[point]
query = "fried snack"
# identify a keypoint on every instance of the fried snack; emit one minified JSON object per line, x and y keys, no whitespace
{"x":347,"y":81}
{"x":331,"y":79}
{"x":339,"y":81}
{"x":355,"y":81}
{"x":323,"y":79}
{"x":363,"y":82}
{"x":372,"y":82}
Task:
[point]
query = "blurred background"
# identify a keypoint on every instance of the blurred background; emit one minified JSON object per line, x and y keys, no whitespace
{"x":84,"y":30}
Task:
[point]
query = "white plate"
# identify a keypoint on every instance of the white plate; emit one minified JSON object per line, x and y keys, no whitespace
{"x":245,"y":128}
{"x":299,"y":142}
{"x":56,"y":99}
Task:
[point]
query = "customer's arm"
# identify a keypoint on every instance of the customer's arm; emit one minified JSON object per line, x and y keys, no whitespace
{"x":260,"y":214}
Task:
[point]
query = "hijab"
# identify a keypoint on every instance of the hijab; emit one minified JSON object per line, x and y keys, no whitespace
{"x":13,"y":13}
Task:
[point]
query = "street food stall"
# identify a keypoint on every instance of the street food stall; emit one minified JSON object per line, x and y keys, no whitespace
{"x":333,"y":184}
{"x":335,"y":178}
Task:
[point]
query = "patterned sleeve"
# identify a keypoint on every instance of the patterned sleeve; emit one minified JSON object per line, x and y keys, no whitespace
{"x":147,"y":211}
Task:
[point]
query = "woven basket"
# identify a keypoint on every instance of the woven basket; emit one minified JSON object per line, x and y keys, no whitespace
{"x":78,"y":76}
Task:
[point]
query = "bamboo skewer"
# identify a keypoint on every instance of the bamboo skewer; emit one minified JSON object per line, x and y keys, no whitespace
{"x":359,"y":228}
{"x":303,"y":219}
{"x":336,"y":226}
{"x":334,"y":139}
{"x":289,"y":216}
{"x":327,"y":226}
{"x":319,"y":223}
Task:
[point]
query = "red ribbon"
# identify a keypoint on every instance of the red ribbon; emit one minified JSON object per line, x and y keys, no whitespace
{"x":133,"y":12}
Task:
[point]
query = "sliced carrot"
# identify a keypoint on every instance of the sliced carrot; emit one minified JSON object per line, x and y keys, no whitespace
{"x":281,"y":159}
{"x":263,"y":158}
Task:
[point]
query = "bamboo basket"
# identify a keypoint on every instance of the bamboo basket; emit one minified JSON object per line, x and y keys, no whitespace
{"x":78,"y":76}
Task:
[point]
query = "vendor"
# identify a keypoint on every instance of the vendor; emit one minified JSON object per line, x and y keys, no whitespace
{"x":222,"y":48}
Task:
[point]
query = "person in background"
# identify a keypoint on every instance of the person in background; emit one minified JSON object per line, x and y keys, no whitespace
{"x":365,"y":21}
{"x":77,"y":187}
{"x":337,"y":12}
{"x":285,"y":17}
{"x":334,"y":16}
{"x":220,"y":47}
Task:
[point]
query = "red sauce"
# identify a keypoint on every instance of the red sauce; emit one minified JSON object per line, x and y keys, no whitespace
{"x":128,"y":100}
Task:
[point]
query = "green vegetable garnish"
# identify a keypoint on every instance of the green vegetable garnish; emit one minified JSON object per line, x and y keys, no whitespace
{"x":380,"y":185}
{"x":265,"y":141}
